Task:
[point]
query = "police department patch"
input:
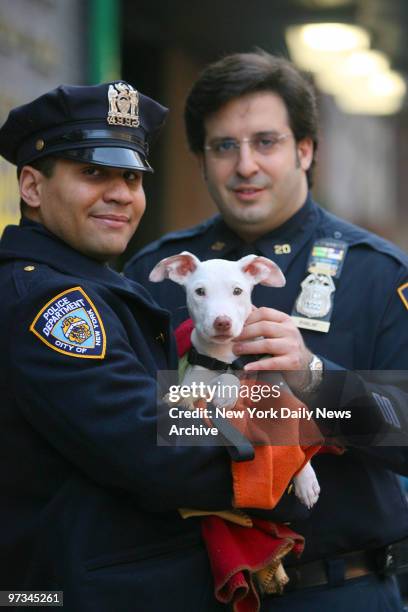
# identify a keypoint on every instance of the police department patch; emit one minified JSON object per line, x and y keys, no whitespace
{"x":403,"y":293}
{"x":70,"y":324}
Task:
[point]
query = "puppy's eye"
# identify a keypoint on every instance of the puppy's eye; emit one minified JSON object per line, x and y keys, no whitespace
{"x":237,"y":291}
{"x":200,"y":291}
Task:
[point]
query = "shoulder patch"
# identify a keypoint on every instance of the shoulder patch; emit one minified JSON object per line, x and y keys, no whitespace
{"x":70,"y":324}
{"x":403,"y":293}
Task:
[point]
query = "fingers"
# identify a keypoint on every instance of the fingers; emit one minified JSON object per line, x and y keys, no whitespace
{"x":269,"y":323}
{"x":267,"y":314}
{"x":268,"y":346}
{"x":267,"y":329}
{"x":261,"y":346}
{"x":272,"y":332}
{"x":290,"y":349}
{"x":281,"y":363}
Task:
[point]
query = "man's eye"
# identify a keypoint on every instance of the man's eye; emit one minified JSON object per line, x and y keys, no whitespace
{"x":225,"y":145}
{"x":91,"y":171}
{"x":265,"y":143}
{"x":130,"y":175}
{"x":200,"y":291}
{"x":237,"y":291}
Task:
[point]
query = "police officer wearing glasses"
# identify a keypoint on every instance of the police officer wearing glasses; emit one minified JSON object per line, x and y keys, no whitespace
{"x":251,"y":121}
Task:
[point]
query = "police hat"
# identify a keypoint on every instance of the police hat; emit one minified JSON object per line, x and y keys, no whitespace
{"x":109,"y":125}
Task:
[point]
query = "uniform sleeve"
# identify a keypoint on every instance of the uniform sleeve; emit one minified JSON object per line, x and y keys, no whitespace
{"x":376,"y":400}
{"x":101,"y":415}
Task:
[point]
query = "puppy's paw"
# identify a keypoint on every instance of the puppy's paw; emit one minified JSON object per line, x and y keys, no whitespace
{"x":226,"y":387}
{"x":183,"y":402}
{"x":307,"y":487}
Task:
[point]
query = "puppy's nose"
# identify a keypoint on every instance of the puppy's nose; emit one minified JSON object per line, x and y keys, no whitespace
{"x":222,"y":324}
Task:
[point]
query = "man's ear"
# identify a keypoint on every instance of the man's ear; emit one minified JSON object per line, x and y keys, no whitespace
{"x":30,"y":182}
{"x":305,"y":151}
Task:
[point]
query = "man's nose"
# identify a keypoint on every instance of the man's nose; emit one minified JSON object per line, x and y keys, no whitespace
{"x":246,"y":162}
{"x":118,"y":191}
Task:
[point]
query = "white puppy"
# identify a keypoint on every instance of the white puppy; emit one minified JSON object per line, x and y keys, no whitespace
{"x":218,"y":295}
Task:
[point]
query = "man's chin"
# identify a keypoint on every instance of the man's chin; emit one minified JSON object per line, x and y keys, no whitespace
{"x":105,"y":252}
{"x":250,"y":214}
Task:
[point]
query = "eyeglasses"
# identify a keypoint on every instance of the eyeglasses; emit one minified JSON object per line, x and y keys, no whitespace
{"x":227,"y":148}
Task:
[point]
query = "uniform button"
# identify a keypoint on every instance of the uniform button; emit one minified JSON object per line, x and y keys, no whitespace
{"x":217,"y":246}
{"x":290,"y":488}
{"x":337,"y":235}
{"x":160,"y":338}
{"x":29,"y":268}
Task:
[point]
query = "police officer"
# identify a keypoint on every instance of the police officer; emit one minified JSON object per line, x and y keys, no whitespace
{"x":89,"y":500}
{"x":251,"y":121}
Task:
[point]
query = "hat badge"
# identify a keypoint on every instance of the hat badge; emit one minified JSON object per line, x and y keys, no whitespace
{"x":123,"y":105}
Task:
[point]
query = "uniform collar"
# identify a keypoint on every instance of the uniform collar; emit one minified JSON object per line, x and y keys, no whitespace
{"x":285,"y":242}
{"x":32,"y":242}
{"x":280,"y":245}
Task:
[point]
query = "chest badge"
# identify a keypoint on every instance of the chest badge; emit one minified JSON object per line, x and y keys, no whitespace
{"x":314,"y":305}
{"x":70,"y":324}
{"x":315,"y":297}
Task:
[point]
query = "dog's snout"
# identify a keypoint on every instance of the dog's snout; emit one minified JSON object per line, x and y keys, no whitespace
{"x":222,"y":324}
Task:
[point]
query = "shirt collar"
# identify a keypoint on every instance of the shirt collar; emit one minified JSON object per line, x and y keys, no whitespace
{"x":285,"y":242}
{"x":280,"y":245}
{"x":32,"y":242}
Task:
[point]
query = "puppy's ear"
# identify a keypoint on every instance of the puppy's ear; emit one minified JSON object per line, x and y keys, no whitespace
{"x":177,"y":268}
{"x":262,"y":270}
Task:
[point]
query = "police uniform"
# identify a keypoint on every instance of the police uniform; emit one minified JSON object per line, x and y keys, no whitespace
{"x":89,"y":499}
{"x":361,"y":506}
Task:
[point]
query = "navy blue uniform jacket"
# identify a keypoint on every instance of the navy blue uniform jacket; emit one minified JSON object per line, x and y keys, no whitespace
{"x":361,"y":505}
{"x":88,"y":500}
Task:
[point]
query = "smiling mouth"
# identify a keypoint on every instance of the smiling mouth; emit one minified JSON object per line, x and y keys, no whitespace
{"x":113,"y":221}
{"x":247,"y":193}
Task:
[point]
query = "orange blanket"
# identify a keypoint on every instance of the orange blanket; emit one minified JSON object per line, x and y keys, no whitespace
{"x":260,"y":483}
{"x":245,"y":553}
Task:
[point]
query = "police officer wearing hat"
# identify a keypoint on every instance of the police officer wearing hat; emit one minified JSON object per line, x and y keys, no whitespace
{"x":251,"y":120}
{"x":89,"y":500}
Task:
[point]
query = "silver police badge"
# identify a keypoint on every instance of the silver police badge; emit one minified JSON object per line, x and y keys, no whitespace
{"x":123,"y":105}
{"x":314,"y":300}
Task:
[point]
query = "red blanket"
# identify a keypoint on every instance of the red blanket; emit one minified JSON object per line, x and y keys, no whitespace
{"x":237,"y":553}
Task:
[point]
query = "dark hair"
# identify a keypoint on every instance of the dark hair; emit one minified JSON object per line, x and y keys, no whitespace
{"x":243,"y":73}
{"x":45,"y":165}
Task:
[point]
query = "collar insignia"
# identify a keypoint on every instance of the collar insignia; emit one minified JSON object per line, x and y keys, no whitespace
{"x":217,"y":246}
{"x":282,"y":249}
{"x":403,"y":293}
{"x":123,"y":105}
{"x":71,"y":325}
